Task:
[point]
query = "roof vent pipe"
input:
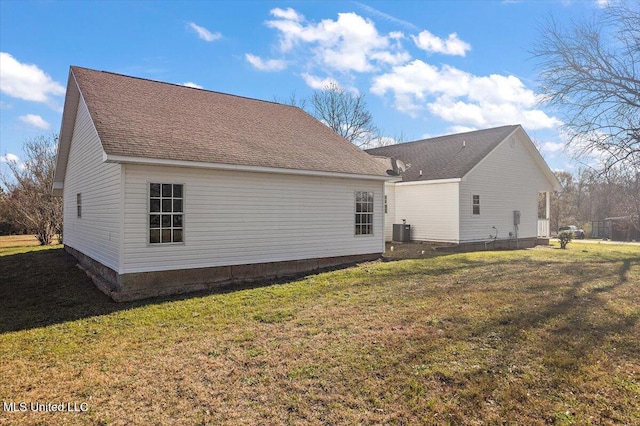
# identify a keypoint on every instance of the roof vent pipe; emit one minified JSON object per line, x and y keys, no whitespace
{"x":464,"y":143}
{"x":420,"y":172}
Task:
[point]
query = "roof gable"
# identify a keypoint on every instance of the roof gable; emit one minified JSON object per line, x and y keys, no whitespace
{"x":138,"y":118}
{"x":444,"y":157}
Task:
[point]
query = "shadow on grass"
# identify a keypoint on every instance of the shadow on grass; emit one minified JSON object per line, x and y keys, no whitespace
{"x":41,"y":288}
{"x":580,"y":319}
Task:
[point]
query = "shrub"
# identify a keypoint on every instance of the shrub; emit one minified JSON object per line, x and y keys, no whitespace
{"x":565,"y":237}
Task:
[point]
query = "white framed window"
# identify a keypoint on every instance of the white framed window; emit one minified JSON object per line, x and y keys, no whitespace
{"x":364,"y":213}
{"x":385,"y":204}
{"x":79,"y":204}
{"x":475,"y":204}
{"x":166,"y":213}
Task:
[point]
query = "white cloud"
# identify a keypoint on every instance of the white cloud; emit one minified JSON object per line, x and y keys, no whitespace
{"x":192,"y":84}
{"x":318,"y":83}
{"x":35,"y":121}
{"x":288,"y":14}
{"x":603,"y":4}
{"x":9,"y":158}
{"x":462,"y":98}
{"x":350,"y":43}
{"x":551,"y":147}
{"x":434,"y":44}
{"x":386,"y":16}
{"x":204,"y":33}
{"x":27,"y":81}
{"x":586,"y":148}
{"x":460,"y":129}
{"x":268,"y":65}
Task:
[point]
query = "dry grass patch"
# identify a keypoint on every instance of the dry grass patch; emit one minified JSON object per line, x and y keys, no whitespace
{"x":539,"y":336}
{"x":19,"y":241}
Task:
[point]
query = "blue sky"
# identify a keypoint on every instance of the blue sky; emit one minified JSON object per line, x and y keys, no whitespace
{"x":426,"y":68}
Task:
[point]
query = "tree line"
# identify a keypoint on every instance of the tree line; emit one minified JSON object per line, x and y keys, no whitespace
{"x":590,"y":196}
{"x":27,"y":204}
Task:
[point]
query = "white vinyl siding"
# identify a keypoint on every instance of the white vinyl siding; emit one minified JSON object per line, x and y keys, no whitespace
{"x":91,"y":196}
{"x":507,"y":179}
{"x":430,"y":208}
{"x":234,"y":218}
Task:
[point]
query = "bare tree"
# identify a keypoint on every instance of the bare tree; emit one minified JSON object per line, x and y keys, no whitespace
{"x":591,"y":72}
{"x":346,"y":113}
{"x":590,"y":196}
{"x":627,"y":203}
{"x":292,"y":100}
{"x":28,"y":190}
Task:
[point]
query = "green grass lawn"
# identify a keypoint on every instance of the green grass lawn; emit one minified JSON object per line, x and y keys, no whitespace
{"x":542,"y":336}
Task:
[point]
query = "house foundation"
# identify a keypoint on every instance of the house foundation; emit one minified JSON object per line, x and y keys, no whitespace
{"x":135,"y":286}
{"x":500,"y":244}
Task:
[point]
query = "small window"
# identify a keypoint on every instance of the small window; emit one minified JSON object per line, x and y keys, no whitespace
{"x":476,"y":204}
{"x":165,"y":213}
{"x":364,"y":213}
{"x":79,"y":204}
{"x":385,"y":204}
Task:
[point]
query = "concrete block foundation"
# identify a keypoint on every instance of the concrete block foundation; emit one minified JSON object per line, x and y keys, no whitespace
{"x":126,"y":287}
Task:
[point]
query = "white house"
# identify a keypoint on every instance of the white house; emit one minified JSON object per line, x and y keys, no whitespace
{"x":469,"y":187}
{"x":170,"y":189}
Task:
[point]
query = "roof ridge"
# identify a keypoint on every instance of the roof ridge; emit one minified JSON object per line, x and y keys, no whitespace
{"x":432,"y":139}
{"x":183,"y":86}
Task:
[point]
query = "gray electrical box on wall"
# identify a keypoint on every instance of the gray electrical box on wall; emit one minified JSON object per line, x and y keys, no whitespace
{"x":516,"y":217}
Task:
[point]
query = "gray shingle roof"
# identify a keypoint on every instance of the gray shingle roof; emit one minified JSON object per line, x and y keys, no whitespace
{"x":445,"y":157}
{"x":142,"y":118}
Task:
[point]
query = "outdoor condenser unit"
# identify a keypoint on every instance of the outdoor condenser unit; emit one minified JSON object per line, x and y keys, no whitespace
{"x":401,"y":232}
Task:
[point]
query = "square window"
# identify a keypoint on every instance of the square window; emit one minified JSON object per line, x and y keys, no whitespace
{"x":166,"y":205}
{"x":177,"y":191}
{"x":177,"y":206}
{"x":166,"y":235}
{"x":154,"y":236}
{"x":154,"y":221}
{"x":166,"y":190}
{"x":177,"y":221}
{"x":154,"y":205}
{"x":177,"y":235}
{"x":166,"y":221}
{"x":154,"y":190}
